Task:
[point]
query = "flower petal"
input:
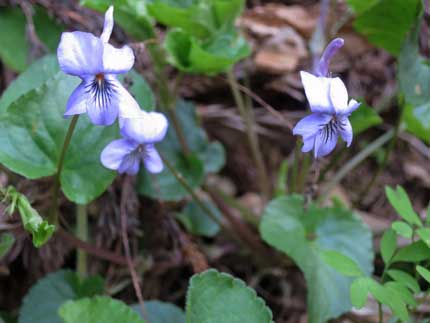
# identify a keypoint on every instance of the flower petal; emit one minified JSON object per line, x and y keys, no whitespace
{"x":152,"y":160}
{"x":114,"y":153}
{"x":311,"y":124}
{"x":117,"y":60}
{"x":338,"y":95}
{"x":80,"y":53}
{"x":101,"y":112}
{"x":77,"y":103}
{"x":130,"y":164}
{"x":108,"y":25}
{"x":317,"y":91}
{"x":308,"y":143}
{"x":122,"y":100}
{"x":146,"y":128}
{"x":324,"y":144}
{"x":352,"y":106}
{"x":329,"y":52}
{"x":346,"y":132}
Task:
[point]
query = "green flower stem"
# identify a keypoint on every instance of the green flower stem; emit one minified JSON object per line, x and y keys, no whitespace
{"x":81,"y":233}
{"x":355,"y":161}
{"x":295,"y":168}
{"x":53,"y":219}
{"x":190,"y":190}
{"x":247,"y":117}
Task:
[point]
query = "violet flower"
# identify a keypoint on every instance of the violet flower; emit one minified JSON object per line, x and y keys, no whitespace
{"x":328,"y":99}
{"x":137,"y":145}
{"x":97,"y":63}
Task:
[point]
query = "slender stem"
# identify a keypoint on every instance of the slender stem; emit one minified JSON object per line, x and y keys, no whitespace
{"x":190,"y":190}
{"x":82,"y":233}
{"x":380,"y":313}
{"x":53,"y":219}
{"x":304,"y":170}
{"x":247,"y":117}
{"x":295,"y":170}
{"x":134,"y":276}
{"x":355,"y":161}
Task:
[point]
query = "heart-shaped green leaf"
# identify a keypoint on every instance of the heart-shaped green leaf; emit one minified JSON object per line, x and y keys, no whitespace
{"x":305,"y":236}
{"x":98,"y":309}
{"x":161,"y":312}
{"x":44,"y":299}
{"x":218,"y":297}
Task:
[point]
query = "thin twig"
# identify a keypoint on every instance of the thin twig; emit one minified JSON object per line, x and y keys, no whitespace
{"x":134,"y":277}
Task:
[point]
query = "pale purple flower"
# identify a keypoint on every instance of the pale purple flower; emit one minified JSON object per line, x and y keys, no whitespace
{"x":97,"y":63}
{"x":137,"y":145}
{"x":328,"y":99}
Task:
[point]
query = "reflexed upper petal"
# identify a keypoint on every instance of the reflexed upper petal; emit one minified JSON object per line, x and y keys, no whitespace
{"x":338,"y":95}
{"x":80,"y":53}
{"x":346,"y":132}
{"x":324,"y":145}
{"x":148,"y":127}
{"x":117,"y":60}
{"x":77,"y":103}
{"x":311,"y":124}
{"x":317,"y":91}
{"x":114,"y":153}
{"x":152,"y":160}
{"x":108,"y":25}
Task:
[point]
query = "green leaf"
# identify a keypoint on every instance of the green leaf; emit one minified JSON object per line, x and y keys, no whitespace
{"x":364,"y":118}
{"x":140,"y":89}
{"x":12,"y":33}
{"x":405,"y":279}
{"x":358,"y":292}
{"x":414,"y":80}
{"x":281,"y":183}
{"x":402,"y":292}
{"x":424,"y":234}
{"x":386,"y":296}
{"x":35,"y":121}
{"x":218,"y":297}
{"x":387,"y":22}
{"x":6,"y":242}
{"x":402,"y":228}
{"x":39,"y":229}
{"x":161,"y":312}
{"x":98,"y":309}
{"x":359,"y":6}
{"x":341,"y":263}
{"x":305,"y":235}
{"x":44,"y":299}
{"x":132,"y":16}
{"x":415,"y":252}
{"x":425,"y":273}
{"x":193,"y":56}
{"x":206,"y":158}
{"x":388,"y":245}
{"x":226,"y":11}
{"x":197,"y":221}
{"x":402,"y":204}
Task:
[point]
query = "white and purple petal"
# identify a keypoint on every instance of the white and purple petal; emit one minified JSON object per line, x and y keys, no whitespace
{"x":148,"y":127}
{"x":117,"y":60}
{"x":77,"y":103}
{"x":345,"y":131}
{"x":152,"y":160}
{"x":130,"y":164}
{"x":338,"y":95}
{"x":80,"y":54}
{"x":317,"y":90}
{"x":108,"y":25}
{"x":114,"y":153}
{"x":311,"y":124}
{"x":325,"y":143}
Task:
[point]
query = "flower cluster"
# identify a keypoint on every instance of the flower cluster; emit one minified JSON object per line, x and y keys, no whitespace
{"x":328,"y":99}
{"x":97,"y":63}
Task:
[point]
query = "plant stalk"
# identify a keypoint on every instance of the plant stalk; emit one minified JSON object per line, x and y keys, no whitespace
{"x":82,"y":233}
{"x":53,"y":218}
{"x":247,"y":117}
